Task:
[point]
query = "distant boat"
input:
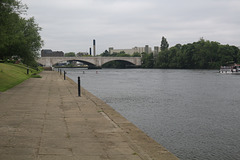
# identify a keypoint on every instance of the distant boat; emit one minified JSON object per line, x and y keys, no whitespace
{"x":233,"y":69}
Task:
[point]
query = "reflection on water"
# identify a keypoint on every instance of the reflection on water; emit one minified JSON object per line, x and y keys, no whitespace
{"x":195,"y":114}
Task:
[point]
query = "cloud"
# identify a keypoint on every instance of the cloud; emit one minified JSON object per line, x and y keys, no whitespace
{"x":72,"y":25}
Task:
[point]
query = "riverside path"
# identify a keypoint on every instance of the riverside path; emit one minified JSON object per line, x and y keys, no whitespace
{"x":44,"y":119}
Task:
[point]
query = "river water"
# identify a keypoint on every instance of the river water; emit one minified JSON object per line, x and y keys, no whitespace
{"x":195,"y":114}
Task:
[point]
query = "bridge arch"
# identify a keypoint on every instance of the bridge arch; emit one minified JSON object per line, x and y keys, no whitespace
{"x":85,"y":62}
{"x":117,"y":59}
{"x":118,"y":64}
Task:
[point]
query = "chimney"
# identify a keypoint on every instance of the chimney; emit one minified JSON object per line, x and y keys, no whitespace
{"x":94,"y":48}
{"x":90,"y":51}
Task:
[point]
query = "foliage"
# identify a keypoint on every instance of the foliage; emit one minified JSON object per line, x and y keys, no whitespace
{"x":121,"y":54}
{"x":70,"y":54}
{"x":147,"y":60}
{"x":136,"y":54}
{"x":83,"y":54}
{"x":164,"y":44}
{"x":202,"y":54}
{"x":19,"y":36}
{"x":105,"y":54}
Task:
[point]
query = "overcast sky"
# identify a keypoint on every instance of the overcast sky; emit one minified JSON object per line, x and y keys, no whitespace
{"x":71,"y":25}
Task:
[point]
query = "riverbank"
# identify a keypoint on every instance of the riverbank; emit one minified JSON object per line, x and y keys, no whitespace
{"x":14,"y":74}
{"x":45,"y":119}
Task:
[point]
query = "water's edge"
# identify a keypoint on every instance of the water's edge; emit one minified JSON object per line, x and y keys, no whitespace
{"x":139,"y":140}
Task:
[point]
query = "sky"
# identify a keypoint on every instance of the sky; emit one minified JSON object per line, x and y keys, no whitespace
{"x":71,"y":25}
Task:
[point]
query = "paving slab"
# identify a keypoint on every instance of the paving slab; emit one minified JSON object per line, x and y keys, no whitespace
{"x":44,"y":119}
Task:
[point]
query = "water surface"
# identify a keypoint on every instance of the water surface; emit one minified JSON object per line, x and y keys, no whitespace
{"x":195,"y":114}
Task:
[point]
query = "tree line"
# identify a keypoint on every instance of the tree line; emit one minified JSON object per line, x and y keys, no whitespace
{"x":120,"y":54}
{"x":19,"y":36}
{"x":203,"y":54}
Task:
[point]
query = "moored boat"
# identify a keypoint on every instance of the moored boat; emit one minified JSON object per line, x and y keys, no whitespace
{"x":233,"y":69}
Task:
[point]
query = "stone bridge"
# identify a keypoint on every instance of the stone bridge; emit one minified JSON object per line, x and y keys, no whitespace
{"x":97,"y":61}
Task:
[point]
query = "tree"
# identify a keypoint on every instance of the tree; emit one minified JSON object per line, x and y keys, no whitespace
{"x":105,"y":54}
{"x":147,"y":60}
{"x":31,"y":42}
{"x":136,"y":54}
{"x":202,"y":54}
{"x":18,"y":36}
{"x":162,"y":60}
{"x":9,"y":23}
{"x":70,"y":54}
{"x":164,"y":44}
{"x":123,"y":54}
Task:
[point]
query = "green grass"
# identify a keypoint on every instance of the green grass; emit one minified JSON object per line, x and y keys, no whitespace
{"x":13,"y":74}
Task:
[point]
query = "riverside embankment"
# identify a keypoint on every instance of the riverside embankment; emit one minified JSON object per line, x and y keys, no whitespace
{"x":13,"y":74}
{"x":45,"y":119}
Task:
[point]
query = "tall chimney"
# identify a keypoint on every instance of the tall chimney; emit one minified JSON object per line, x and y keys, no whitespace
{"x":94,"y":48}
{"x":90,"y":51}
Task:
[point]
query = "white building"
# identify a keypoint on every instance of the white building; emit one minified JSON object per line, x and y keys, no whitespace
{"x":145,"y":49}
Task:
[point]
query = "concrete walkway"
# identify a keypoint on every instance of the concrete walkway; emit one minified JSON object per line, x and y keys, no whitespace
{"x":44,"y":119}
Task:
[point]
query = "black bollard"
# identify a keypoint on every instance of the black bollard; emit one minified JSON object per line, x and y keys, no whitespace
{"x":27,"y":70}
{"x":64,"y":75}
{"x":79,"y":87}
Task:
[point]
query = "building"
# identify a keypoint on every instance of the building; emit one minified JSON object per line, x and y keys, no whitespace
{"x":156,"y":50}
{"x":145,"y":49}
{"x":50,"y":53}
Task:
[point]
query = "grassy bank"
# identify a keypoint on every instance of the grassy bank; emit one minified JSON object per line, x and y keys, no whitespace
{"x":13,"y":74}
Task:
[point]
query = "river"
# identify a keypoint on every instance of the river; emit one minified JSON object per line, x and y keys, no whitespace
{"x":195,"y":114}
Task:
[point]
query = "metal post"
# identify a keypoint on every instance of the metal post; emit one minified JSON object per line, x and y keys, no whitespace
{"x":27,"y":70}
{"x":60,"y":71}
{"x":79,"y":87}
{"x":64,"y":75}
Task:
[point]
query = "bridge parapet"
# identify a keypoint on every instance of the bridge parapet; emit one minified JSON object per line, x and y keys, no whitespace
{"x":97,"y":61}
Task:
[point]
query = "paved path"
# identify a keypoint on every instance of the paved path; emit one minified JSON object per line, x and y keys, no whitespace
{"x":44,"y":119}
